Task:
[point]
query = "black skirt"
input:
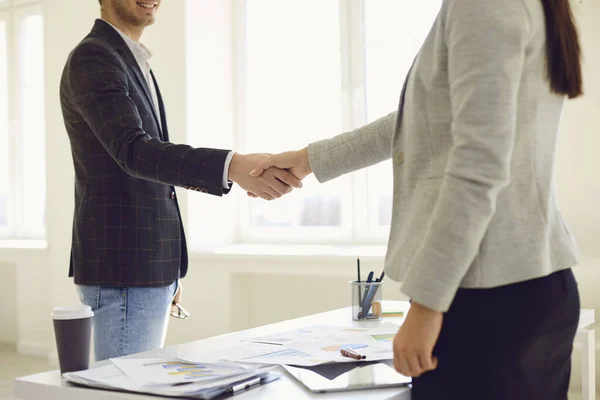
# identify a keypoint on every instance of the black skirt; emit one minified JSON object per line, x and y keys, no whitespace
{"x":507,"y":343}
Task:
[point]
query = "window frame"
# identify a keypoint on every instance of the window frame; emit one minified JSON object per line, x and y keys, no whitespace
{"x":362,"y":198}
{"x":14,"y":13}
{"x":355,"y":229}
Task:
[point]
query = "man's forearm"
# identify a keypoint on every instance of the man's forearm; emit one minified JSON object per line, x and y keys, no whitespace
{"x":99,"y":90}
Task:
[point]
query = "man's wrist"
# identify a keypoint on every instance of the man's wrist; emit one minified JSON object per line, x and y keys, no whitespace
{"x":234,"y":167}
{"x":226,"y":180}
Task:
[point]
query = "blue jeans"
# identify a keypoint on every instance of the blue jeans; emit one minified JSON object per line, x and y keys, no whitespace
{"x":127,"y":320}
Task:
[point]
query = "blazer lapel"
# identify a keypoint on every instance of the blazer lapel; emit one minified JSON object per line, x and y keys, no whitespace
{"x":134,"y":66}
{"x":103,"y":28}
{"x":161,"y":107}
{"x":401,"y":104}
{"x":403,"y":93}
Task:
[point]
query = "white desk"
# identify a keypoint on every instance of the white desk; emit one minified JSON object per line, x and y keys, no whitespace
{"x":49,"y":386}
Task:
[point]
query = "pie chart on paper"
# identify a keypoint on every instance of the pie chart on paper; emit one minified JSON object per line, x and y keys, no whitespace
{"x":337,"y":347}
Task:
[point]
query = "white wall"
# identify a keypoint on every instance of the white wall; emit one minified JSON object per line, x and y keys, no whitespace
{"x":578,"y":166}
{"x":8,"y":299}
{"x":226,"y":293}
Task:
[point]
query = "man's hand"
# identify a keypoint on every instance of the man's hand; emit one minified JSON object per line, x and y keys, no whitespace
{"x":414,"y":342}
{"x":273,"y":184}
{"x":294,"y":161}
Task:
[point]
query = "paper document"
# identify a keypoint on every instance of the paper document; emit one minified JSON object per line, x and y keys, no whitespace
{"x":160,"y":372}
{"x":310,"y":346}
{"x":113,"y":378}
{"x":260,"y":353}
{"x":319,"y":333}
{"x":325,"y":342}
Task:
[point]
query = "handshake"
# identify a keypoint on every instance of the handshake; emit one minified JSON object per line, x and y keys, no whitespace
{"x":269,"y":176}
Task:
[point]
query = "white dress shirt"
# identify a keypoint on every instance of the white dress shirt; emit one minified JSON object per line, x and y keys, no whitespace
{"x":142,"y":56}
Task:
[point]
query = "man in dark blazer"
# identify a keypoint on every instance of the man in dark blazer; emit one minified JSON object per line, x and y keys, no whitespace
{"x":128,"y":246}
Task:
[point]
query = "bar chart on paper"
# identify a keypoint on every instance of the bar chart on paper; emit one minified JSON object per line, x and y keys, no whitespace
{"x":384,"y":338}
{"x":160,"y":371}
{"x":185,"y":370}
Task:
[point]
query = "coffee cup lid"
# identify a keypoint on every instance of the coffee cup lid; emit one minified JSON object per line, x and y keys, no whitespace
{"x":72,"y":312}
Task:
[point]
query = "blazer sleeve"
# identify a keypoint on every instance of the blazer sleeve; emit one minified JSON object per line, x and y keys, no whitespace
{"x":99,"y":87}
{"x":354,"y":150}
{"x":486,"y":41}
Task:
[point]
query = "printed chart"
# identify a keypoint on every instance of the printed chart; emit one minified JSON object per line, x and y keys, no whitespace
{"x":185,"y":370}
{"x":385,"y":337}
{"x":159,"y":371}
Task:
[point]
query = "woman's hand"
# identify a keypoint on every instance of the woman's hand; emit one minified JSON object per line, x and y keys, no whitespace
{"x":414,"y":342}
{"x":294,"y":161}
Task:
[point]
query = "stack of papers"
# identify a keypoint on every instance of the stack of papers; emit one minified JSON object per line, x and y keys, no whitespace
{"x":172,"y":378}
{"x":314,"y":345}
{"x":206,"y":376}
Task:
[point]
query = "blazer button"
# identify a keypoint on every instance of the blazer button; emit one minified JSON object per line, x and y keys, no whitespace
{"x":203,"y":190}
{"x":399,"y":157}
{"x":172,"y":195}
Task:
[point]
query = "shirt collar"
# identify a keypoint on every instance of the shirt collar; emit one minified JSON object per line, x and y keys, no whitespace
{"x":140,"y":52}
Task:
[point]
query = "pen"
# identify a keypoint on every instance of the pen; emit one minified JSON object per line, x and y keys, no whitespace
{"x":370,"y":295}
{"x":369,"y":280}
{"x":363,"y":302}
{"x":346,"y":353}
{"x":362,"y":356}
{"x":359,"y":288}
{"x":244,"y":385}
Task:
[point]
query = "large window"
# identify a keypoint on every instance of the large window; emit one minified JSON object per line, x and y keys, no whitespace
{"x":293,"y":95}
{"x":22,"y":158}
{"x":304,"y":71}
{"x":394,"y":32}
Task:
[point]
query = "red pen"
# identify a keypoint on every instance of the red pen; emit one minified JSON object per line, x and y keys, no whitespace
{"x":362,"y":356}
{"x":352,"y":354}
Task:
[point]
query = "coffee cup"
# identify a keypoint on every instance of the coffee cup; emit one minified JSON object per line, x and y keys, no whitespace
{"x":73,"y":333}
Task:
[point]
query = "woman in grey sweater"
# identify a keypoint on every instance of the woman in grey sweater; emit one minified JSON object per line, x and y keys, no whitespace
{"x":475,"y":230}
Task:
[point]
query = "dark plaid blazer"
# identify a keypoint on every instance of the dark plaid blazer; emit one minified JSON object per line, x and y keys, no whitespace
{"x":127,"y":228}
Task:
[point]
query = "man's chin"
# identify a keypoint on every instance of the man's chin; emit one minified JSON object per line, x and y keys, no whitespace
{"x":148,"y":22}
{"x":143,"y":23}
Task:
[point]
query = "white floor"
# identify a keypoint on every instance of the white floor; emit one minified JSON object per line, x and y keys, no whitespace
{"x":13,"y":365}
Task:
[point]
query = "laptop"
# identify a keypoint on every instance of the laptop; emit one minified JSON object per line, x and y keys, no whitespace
{"x":341,"y":377}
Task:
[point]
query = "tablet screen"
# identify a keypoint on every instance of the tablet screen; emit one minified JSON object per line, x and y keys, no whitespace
{"x":348,"y":376}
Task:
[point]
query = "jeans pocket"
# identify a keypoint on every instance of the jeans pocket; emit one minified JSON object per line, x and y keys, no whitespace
{"x":89,"y":295}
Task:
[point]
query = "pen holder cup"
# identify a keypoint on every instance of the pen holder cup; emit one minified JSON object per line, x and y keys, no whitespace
{"x":366,"y":301}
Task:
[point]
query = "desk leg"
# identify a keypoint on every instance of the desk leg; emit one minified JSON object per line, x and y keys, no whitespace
{"x":587,"y":338}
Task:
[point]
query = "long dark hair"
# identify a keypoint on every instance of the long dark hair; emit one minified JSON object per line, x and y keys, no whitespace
{"x":563,"y":51}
